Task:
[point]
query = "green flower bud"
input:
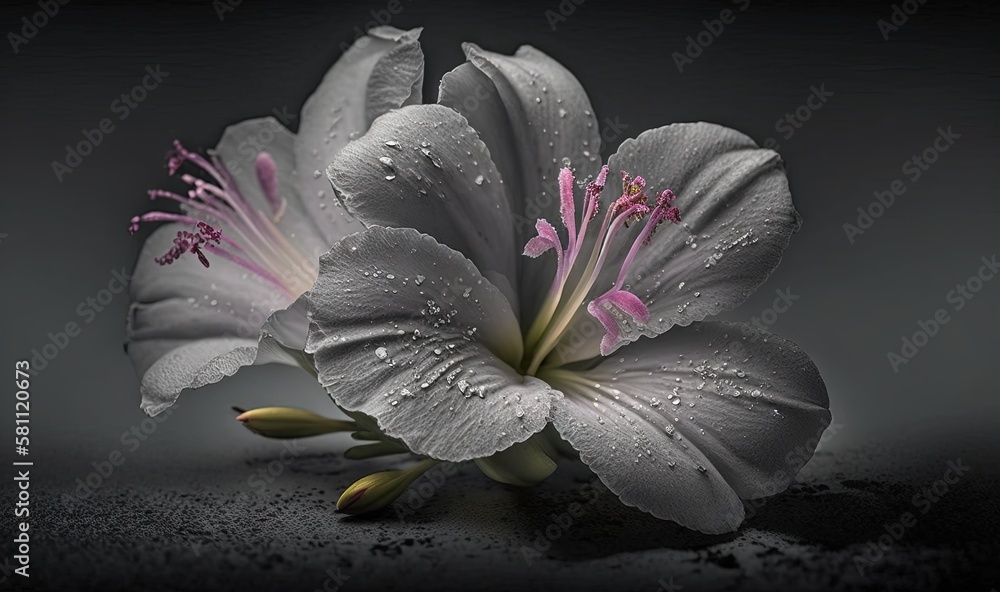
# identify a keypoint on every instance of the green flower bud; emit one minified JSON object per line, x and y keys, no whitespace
{"x":378,"y":490}
{"x":523,"y":464}
{"x":289,"y":422}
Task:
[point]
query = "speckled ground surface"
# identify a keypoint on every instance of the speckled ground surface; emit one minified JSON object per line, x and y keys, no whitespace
{"x":209,"y":523}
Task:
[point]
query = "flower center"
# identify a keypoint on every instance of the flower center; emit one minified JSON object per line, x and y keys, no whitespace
{"x":563,"y":300}
{"x":252,"y":240}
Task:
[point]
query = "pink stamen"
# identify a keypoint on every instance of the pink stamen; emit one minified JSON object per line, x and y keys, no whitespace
{"x":252,"y":267}
{"x":547,"y":239}
{"x":632,"y":206}
{"x":610,"y":324}
{"x":660,"y":213}
{"x":191,"y":242}
{"x":160,"y":217}
{"x":628,"y":303}
{"x":591,"y":206}
{"x":263,"y":249}
{"x":566,"y":206}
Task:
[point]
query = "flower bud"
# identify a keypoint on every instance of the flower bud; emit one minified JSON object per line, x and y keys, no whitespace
{"x":289,"y":422}
{"x":378,"y":490}
{"x":524,"y":464}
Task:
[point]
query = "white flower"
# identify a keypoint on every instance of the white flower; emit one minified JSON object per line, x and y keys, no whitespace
{"x":257,"y":214}
{"x":432,"y":322}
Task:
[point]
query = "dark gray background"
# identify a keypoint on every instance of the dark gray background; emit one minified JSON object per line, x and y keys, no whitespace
{"x":61,"y":241}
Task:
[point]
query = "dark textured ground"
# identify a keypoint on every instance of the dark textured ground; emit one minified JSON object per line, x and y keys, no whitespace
{"x":197,"y":522}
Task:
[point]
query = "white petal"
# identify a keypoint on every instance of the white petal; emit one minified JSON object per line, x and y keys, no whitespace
{"x":640,"y":463}
{"x":532,"y":113}
{"x":381,"y":71}
{"x":748,"y":406}
{"x":737,"y":218}
{"x":202,"y":362}
{"x":423,"y":167}
{"x":184,"y":304}
{"x":238,"y":150}
{"x":407,"y":331}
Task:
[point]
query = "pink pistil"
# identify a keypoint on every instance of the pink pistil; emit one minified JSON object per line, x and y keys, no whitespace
{"x":632,"y":206}
{"x":267,"y":174}
{"x":255,"y":244}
